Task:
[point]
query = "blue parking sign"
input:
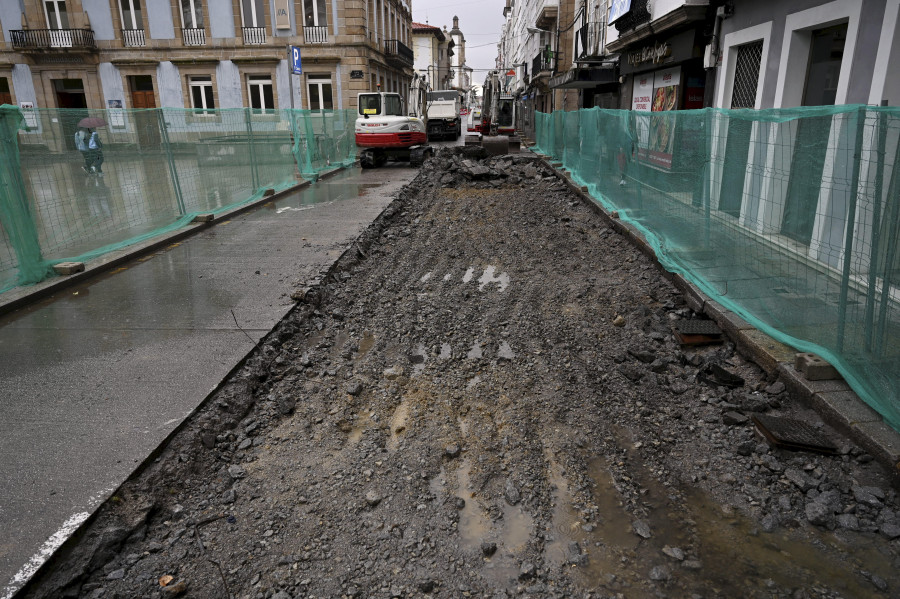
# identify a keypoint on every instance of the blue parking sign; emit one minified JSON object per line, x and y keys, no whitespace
{"x":296,"y":67}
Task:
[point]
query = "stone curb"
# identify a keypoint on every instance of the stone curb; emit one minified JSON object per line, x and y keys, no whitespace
{"x":834,"y":400}
{"x":20,"y":297}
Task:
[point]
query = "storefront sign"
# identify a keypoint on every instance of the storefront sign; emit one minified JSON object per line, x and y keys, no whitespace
{"x":655,"y":54}
{"x":282,"y":14}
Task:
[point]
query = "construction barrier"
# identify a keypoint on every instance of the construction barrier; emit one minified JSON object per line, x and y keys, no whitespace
{"x":155,"y":170}
{"x":789,"y":217}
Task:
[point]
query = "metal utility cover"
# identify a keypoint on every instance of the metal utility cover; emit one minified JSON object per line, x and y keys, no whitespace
{"x":697,"y":332}
{"x":792,"y":434}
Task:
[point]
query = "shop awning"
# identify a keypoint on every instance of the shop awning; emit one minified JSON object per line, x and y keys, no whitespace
{"x":584,"y":77}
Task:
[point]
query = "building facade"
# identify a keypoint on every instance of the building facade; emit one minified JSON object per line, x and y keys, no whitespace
{"x":432,"y":50}
{"x":201,"y":54}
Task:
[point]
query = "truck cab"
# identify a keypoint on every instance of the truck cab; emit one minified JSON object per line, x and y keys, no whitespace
{"x":442,"y":108}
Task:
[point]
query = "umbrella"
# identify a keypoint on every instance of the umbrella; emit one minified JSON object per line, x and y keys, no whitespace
{"x":91,"y":122}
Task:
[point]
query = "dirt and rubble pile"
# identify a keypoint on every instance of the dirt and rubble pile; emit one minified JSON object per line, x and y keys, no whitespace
{"x":485,"y":398}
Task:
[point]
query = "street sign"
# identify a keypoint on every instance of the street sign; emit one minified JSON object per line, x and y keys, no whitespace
{"x":511,"y":73}
{"x":356,"y":74}
{"x":296,"y":67}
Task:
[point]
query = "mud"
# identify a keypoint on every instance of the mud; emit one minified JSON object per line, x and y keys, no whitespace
{"x":485,"y":399}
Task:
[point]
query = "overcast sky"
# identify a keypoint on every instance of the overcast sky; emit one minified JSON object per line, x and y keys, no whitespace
{"x":479,"y":20}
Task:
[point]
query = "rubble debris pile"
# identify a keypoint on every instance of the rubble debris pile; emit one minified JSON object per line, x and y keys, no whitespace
{"x":488,"y":399}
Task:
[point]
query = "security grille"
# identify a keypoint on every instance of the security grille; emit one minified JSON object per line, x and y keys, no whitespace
{"x":746,"y":75}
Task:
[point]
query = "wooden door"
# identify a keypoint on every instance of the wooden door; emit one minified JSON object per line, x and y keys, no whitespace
{"x":146,"y":119}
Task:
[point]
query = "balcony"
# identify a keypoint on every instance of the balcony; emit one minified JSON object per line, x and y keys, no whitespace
{"x":589,"y":41}
{"x":133,"y":38}
{"x":399,"y":53}
{"x":315,"y":35}
{"x":541,"y":65}
{"x":546,"y":18}
{"x":254,"y":35}
{"x":39,"y":40}
{"x":193,"y":36}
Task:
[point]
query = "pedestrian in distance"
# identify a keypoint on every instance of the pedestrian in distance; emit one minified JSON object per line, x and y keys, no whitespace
{"x":82,"y":139}
{"x":95,"y":146}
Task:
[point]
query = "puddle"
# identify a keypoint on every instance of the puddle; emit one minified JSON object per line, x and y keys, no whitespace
{"x":565,"y":524}
{"x":360,"y":425}
{"x":505,"y":352}
{"x":517,"y":527}
{"x":437,"y":486}
{"x":398,"y":425}
{"x":473,"y":523}
{"x":488,"y":277}
{"x":446,"y":352}
{"x":469,"y":274}
{"x":471,"y":384}
{"x":366,"y":343}
{"x":463,"y":426}
{"x":475,"y":352}
{"x":448,"y":276}
{"x":417,"y":358}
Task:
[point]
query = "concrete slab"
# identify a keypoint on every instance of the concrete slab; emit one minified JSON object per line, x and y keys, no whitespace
{"x":844,"y":408}
{"x":764,"y":350}
{"x":881,"y":441}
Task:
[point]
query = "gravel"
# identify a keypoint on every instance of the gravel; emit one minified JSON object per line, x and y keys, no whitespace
{"x":487,"y":400}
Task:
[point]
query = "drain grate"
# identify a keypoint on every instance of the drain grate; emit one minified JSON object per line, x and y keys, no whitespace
{"x":697,"y":332}
{"x":787,"y":433}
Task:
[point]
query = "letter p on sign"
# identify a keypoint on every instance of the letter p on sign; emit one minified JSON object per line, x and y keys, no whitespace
{"x":296,"y":67}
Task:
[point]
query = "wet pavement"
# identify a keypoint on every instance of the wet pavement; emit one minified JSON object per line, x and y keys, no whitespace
{"x":96,"y":376}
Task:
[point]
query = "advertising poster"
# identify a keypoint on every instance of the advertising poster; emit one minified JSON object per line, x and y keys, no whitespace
{"x":115,"y":114}
{"x":28,"y":113}
{"x":658,"y":150}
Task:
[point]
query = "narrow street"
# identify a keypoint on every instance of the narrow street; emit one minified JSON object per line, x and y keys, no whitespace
{"x":487,"y":399}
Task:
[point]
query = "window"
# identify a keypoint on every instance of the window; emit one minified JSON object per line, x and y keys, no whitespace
{"x":57,"y":17}
{"x":746,"y":75}
{"x":132,"y":24}
{"x":314,"y":13}
{"x":192,"y":14}
{"x":262,"y":97}
{"x":252,"y":13}
{"x":825,"y":56}
{"x":131,"y":14}
{"x":392,"y":105}
{"x":202,"y":94}
{"x":319,"y":88}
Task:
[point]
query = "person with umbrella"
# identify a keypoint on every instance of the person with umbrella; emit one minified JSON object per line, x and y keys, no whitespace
{"x":93,"y":154}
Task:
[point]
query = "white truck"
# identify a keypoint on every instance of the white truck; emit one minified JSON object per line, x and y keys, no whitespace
{"x":442,"y":109}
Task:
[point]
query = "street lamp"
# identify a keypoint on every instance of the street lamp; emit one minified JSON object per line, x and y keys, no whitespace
{"x":535,"y":30}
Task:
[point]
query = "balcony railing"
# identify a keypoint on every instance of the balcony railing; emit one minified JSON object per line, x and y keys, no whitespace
{"x":542,"y":63}
{"x":133,"y":38}
{"x":397,"y":50}
{"x":41,"y":39}
{"x":193,"y":36}
{"x":315,"y":34}
{"x":589,"y":41}
{"x":254,"y":35}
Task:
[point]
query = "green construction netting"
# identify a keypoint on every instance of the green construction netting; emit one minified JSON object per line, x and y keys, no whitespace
{"x":753,"y":207}
{"x":160,"y":168}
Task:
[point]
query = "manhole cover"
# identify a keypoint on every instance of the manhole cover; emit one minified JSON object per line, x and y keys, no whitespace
{"x":792,"y":434}
{"x":697,"y":332}
{"x":698,"y":327}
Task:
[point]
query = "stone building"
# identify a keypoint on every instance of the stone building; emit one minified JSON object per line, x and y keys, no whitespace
{"x":432,"y":50}
{"x":201,"y":53}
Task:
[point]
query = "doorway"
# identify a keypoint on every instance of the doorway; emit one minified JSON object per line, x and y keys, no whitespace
{"x":811,"y":143}
{"x":146,"y":119}
{"x":72,"y":102}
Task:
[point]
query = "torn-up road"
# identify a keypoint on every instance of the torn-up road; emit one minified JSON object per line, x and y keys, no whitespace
{"x":487,"y":399}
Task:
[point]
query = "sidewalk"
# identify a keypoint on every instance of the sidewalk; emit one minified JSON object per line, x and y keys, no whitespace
{"x":96,"y":374}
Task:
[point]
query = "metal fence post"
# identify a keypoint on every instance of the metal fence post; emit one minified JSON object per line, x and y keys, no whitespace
{"x":173,"y":171}
{"x":254,"y":170}
{"x":876,"y":232}
{"x":851,"y":223}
